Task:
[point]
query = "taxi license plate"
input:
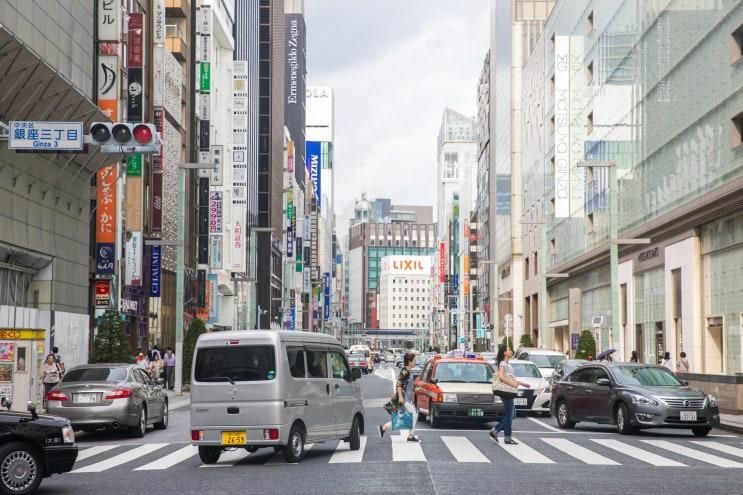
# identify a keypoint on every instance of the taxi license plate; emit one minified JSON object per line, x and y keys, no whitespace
{"x":688,"y":415}
{"x":520,"y":402}
{"x":476,"y":412}
{"x":234,"y":438}
{"x":84,"y":398}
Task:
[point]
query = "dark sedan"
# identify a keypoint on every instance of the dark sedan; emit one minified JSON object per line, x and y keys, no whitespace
{"x":632,"y":397}
{"x":566,"y":367}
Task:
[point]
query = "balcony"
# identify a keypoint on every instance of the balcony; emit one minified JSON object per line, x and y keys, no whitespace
{"x":174,"y":41}
{"x":177,"y":8}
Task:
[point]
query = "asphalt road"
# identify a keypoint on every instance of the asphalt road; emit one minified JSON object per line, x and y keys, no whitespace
{"x":454,"y":459}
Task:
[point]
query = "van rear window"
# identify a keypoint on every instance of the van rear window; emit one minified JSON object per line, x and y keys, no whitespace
{"x":235,"y":364}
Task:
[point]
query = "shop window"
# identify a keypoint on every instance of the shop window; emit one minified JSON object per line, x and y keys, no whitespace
{"x":736,"y":131}
{"x":736,"y":45}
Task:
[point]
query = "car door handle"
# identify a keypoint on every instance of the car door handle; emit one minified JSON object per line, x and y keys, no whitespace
{"x":589,"y":391}
{"x":327,"y":388}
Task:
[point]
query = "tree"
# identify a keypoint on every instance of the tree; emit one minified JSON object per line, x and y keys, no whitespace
{"x":195,"y":329}
{"x":526,"y":341}
{"x":586,"y":345}
{"x":110,"y":344}
{"x":409,"y":345}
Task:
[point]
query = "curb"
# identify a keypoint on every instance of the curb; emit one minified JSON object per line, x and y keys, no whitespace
{"x":731,"y":427}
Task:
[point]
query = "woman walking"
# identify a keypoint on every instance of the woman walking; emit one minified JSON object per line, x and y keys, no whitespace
{"x":666,"y":361}
{"x":52,"y":374}
{"x":403,"y":398}
{"x":156,"y":367}
{"x":506,"y":375}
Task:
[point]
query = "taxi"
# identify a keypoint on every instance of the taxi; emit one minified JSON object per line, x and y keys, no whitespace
{"x":456,"y":389}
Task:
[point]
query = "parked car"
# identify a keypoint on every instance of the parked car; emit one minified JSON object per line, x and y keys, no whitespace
{"x":279,"y":389}
{"x":456,"y":389}
{"x":545,"y":360}
{"x":632,"y":396}
{"x":566,"y":367}
{"x":537,"y":397}
{"x":111,"y":396}
{"x":489,"y":357}
{"x":358,"y":361}
{"x":33,"y":447}
{"x":389,"y":358}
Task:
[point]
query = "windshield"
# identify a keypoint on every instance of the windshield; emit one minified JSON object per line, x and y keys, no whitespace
{"x":421,"y":360}
{"x":546,"y":361}
{"x":356,"y":358}
{"x":95,"y":375}
{"x":526,"y":370}
{"x":647,"y":376}
{"x":239,"y":364}
{"x":476,"y":372}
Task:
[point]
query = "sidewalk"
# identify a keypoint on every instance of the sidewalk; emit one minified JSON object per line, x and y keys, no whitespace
{"x":176,"y":402}
{"x":732,"y":422}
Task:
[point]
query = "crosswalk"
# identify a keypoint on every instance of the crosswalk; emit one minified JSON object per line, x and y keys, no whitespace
{"x":460,"y":449}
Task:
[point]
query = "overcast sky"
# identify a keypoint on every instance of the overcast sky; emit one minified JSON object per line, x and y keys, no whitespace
{"x":394,"y":65}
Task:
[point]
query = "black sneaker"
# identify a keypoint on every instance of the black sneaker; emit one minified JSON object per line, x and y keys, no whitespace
{"x":413,"y":439}
{"x":380,"y":430}
{"x":494,"y":436}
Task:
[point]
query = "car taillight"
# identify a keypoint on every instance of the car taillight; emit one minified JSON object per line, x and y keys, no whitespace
{"x":197,"y":435}
{"x":56,"y":395}
{"x":363,"y":363}
{"x":119,"y":393}
{"x":271,"y":434}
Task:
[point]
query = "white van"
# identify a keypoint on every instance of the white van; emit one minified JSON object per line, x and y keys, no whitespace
{"x":280,"y":389}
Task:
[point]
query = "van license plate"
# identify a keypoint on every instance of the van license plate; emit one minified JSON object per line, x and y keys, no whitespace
{"x":520,"y":402}
{"x":476,"y":412}
{"x":688,"y":415}
{"x":234,"y":438}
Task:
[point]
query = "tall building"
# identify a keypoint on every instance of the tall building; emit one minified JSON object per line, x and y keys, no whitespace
{"x":405,"y":294}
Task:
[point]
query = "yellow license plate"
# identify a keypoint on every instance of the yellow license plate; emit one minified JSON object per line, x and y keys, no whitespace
{"x":234,"y":438}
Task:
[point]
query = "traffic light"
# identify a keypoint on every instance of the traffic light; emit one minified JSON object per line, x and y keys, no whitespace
{"x":124,"y":138}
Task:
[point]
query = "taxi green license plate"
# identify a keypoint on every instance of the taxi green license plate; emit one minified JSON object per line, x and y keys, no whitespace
{"x":476,"y":412}
{"x":234,"y":438}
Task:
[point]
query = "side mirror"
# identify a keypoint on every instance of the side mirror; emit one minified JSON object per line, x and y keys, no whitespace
{"x":685,"y":383}
{"x":605,"y":382}
{"x":356,"y":373}
{"x":160,"y":382}
{"x":31,"y":407}
{"x":6,"y":403}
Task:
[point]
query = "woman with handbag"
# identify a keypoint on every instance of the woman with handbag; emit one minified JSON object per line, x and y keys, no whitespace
{"x":505,"y":386}
{"x":402,"y":401}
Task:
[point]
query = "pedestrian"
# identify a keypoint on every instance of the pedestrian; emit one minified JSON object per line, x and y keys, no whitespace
{"x":683,"y":364}
{"x":58,"y":358}
{"x":52,"y":374}
{"x":141,"y":361}
{"x":666,"y":361}
{"x":170,"y":368}
{"x":403,"y":398}
{"x":156,"y":367}
{"x":634,"y":358}
{"x":506,"y":375}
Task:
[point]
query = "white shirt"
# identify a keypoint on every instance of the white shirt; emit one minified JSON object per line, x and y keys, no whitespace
{"x":667,"y":363}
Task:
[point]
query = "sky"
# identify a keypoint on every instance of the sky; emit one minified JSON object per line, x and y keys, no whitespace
{"x":394,"y":66}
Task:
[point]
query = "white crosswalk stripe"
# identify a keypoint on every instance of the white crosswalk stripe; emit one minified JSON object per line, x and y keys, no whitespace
{"x":463,"y":450}
{"x":728,"y":449}
{"x":91,"y":451}
{"x":404,"y":451}
{"x":526,"y":454}
{"x":120,"y":459}
{"x":228,"y":458}
{"x":343,"y":453}
{"x":579,"y":452}
{"x":694,"y":454}
{"x":171,"y":460}
{"x":637,"y":453}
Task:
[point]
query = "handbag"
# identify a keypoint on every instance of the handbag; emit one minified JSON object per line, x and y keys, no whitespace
{"x":402,"y":420}
{"x":502,"y":389}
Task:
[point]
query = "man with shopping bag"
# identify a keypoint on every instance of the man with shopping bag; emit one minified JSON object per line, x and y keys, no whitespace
{"x":400,"y":406}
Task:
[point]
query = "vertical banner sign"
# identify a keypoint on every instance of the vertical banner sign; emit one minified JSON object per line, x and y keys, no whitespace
{"x":217,"y":156}
{"x":205,"y":80}
{"x":213,"y":298}
{"x":155,"y":267}
{"x":238,"y":243}
{"x":466,"y":274}
{"x":326,"y":298}
{"x":109,"y":20}
{"x":105,"y":229}
{"x":134,"y":59}
{"x":108,"y":85}
{"x":134,"y":165}
{"x":215,"y":212}
{"x":158,"y":22}
{"x":157,"y":159}
{"x":134,"y":96}
{"x":215,"y":252}
{"x":102,"y":293}
{"x":134,"y":54}
{"x":442,"y":262}
{"x":314,"y":167}
{"x":157,"y":202}
{"x":133,"y":251}
{"x":298,"y":250}
{"x":201,"y":289}
{"x":289,"y":243}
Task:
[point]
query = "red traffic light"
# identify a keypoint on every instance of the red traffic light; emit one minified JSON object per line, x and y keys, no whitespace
{"x":142,"y":134}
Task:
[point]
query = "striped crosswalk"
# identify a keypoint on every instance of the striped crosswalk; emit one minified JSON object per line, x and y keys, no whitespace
{"x":461,"y":449}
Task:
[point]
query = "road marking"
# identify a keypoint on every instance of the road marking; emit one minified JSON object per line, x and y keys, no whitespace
{"x":171,"y":460}
{"x":694,"y":454}
{"x":526,"y":454}
{"x":579,"y":452}
{"x":404,"y":451}
{"x":120,"y":459}
{"x":463,"y":450}
{"x":90,"y":452}
{"x":728,"y":449}
{"x":387,"y":376}
{"x":545,"y":425}
{"x":639,"y":454}
{"x":228,"y":458}
{"x":343,"y":453}
{"x":278,"y":458}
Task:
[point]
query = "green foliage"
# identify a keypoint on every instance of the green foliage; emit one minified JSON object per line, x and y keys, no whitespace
{"x":110,"y":344}
{"x":195,"y":329}
{"x":526,"y":341}
{"x":586,"y":345}
{"x":409,"y":345}
{"x":510,"y":342}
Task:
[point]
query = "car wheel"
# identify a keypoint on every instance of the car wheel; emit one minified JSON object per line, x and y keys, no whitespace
{"x":624,"y":427}
{"x":141,"y":428}
{"x":355,"y":438}
{"x":209,"y":455}
{"x":163,"y":424}
{"x":563,"y":416}
{"x":701,"y":431}
{"x":21,"y":469}
{"x":294,"y":450}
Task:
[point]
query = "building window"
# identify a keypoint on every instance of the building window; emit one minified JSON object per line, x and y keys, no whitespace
{"x":589,"y":223}
{"x":589,"y":123}
{"x":589,"y":74}
{"x":736,"y":45}
{"x":736,"y":131}
{"x":589,"y":23}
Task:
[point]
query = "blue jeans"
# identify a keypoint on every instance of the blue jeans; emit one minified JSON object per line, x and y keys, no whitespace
{"x":504,"y":424}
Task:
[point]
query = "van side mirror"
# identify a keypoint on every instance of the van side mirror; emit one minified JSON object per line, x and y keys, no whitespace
{"x":605,"y":382}
{"x":356,"y":373}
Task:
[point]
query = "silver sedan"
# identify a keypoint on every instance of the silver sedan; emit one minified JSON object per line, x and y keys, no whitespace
{"x":110,"y":396}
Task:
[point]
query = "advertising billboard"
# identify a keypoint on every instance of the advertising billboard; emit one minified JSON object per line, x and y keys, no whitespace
{"x":105,"y":229}
{"x":314,"y":166}
{"x":406,"y":265}
{"x":133,"y":251}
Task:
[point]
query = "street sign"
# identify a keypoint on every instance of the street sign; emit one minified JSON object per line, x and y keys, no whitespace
{"x":597,"y":321}
{"x":46,"y":136}
{"x":462,"y":340}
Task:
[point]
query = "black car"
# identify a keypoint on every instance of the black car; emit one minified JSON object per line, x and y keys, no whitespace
{"x":33,"y":447}
{"x":566,"y":367}
{"x":632,"y":397}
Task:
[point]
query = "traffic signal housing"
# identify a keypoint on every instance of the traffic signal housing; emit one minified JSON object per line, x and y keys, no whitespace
{"x":124,"y":137}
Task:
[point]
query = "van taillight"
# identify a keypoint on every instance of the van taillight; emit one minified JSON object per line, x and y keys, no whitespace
{"x":197,"y":435}
{"x":271,"y":434}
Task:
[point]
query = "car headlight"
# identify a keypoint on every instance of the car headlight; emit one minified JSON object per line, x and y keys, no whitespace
{"x":645,"y":401}
{"x":712,"y":401}
{"x":68,"y":434}
{"x":541,"y":391}
{"x":450,"y":397}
